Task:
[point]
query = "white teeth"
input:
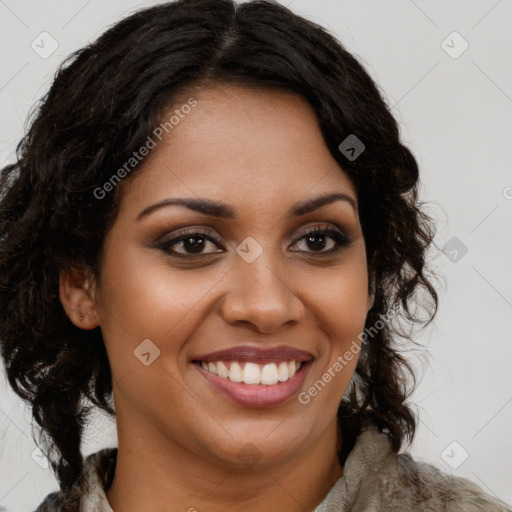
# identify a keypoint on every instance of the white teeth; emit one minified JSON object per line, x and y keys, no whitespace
{"x":253,"y":373}
{"x":222,"y":370}
{"x":282,"y":372}
{"x":235,"y":372}
{"x":269,"y":374}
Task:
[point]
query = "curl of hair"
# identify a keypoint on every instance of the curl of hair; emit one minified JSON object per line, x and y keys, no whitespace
{"x":105,"y":100}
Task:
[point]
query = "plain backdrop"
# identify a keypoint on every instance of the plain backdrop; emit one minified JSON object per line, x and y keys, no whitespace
{"x":445,"y":69}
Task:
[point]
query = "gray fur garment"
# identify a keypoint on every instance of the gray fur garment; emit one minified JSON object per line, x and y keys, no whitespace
{"x":375,"y":479}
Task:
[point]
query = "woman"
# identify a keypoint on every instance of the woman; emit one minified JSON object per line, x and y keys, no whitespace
{"x":211,"y":232}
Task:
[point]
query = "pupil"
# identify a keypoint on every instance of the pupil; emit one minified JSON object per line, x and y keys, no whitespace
{"x":194,"y":244}
{"x":318,"y":246}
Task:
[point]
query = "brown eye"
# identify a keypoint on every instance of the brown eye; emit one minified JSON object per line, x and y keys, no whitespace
{"x":192,"y":243}
{"x":318,"y":238}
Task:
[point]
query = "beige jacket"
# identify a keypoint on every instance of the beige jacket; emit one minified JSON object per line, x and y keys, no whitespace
{"x":375,"y":479}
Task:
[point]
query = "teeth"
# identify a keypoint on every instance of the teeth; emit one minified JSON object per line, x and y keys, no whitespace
{"x":222,"y":370}
{"x":235,"y":372}
{"x":253,"y":373}
{"x":292,"y":368}
{"x":269,"y":374}
{"x":282,"y":372}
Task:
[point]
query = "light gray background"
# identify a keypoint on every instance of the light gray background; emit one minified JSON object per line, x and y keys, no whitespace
{"x":454,"y":113}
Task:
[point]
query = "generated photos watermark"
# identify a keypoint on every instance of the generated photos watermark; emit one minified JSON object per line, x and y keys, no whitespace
{"x":151,"y":143}
{"x":343,"y":360}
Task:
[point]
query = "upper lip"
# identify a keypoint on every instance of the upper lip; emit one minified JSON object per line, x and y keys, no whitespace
{"x":257,"y":354}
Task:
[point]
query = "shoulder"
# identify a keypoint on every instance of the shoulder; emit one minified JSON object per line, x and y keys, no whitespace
{"x":433,"y":490}
{"x":87,"y":493}
{"x":399,"y":482}
{"x":53,"y":501}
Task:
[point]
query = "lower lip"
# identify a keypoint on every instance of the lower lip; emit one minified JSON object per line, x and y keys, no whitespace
{"x":257,"y":395}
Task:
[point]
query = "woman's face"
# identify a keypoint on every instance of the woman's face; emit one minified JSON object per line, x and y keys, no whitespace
{"x":249,"y":279}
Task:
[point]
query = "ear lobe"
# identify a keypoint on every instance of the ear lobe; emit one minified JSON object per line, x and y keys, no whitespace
{"x":77,"y":295}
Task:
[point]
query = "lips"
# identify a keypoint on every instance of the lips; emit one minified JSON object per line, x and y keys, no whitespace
{"x":249,"y":376}
{"x":246,"y":353}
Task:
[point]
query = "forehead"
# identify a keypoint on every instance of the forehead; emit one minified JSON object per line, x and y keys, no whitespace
{"x":238,"y":143}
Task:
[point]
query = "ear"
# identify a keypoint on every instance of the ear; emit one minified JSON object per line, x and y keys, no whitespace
{"x":77,"y":295}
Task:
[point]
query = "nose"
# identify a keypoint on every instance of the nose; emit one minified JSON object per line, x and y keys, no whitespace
{"x":260,"y":296}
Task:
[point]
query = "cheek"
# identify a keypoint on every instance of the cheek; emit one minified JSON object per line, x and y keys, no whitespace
{"x":142,"y":300}
{"x":340,"y":304}
{"x":341,"y":307}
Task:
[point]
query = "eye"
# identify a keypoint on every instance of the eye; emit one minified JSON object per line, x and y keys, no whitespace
{"x":317,"y":239}
{"x":191,"y":242}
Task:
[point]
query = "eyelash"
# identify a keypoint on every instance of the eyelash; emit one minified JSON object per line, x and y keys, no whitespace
{"x":339,"y":238}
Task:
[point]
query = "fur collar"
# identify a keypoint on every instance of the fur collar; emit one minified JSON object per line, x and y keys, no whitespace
{"x":375,"y":479}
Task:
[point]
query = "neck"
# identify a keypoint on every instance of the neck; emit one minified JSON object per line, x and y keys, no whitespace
{"x":155,"y":473}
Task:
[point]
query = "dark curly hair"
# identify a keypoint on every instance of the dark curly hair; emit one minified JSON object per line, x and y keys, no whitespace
{"x":104,"y":101}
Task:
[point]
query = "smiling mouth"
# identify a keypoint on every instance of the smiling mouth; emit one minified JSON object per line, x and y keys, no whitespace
{"x":252,"y":384}
{"x":253,"y":373}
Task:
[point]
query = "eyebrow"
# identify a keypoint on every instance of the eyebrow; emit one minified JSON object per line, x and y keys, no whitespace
{"x":224,"y":211}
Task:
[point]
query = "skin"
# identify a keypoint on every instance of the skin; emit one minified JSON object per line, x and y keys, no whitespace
{"x":179,"y":439}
